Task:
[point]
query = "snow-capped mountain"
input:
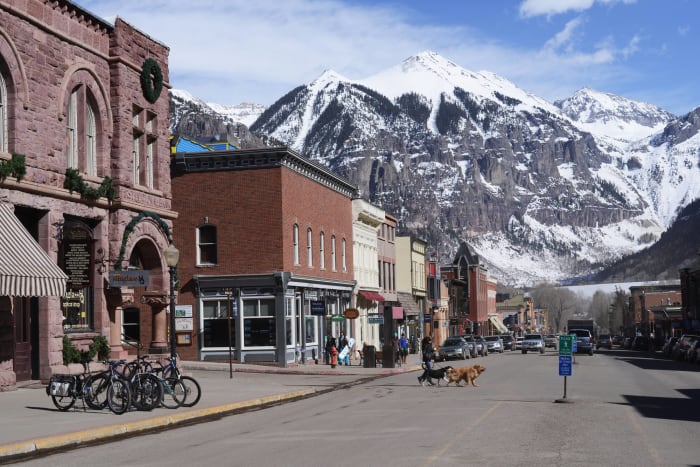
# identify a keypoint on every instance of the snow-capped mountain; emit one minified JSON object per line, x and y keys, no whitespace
{"x":615,"y":117}
{"x":539,"y":193}
{"x":245,"y":113}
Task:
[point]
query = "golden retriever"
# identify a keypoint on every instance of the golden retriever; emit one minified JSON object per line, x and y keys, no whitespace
{"x":468,"y":374}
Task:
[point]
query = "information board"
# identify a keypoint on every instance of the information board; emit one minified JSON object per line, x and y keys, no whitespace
{"x":566,"y":345}
{"x":565,"y":367}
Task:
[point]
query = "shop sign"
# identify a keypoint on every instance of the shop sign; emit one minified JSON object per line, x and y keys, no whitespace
{"x":318,"y":307}
{"x":351,"y":313}
{"x":375,"y":318}
{"x":129,"y":278}
{"x":337,"y":318}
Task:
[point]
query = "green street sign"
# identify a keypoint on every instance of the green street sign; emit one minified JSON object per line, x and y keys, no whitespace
{"x":566,"y":345}
{"x":337,"y":318}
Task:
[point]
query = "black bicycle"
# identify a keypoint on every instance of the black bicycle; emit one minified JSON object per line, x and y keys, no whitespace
{"x":106,"y":388}
{"x":172,"y":375}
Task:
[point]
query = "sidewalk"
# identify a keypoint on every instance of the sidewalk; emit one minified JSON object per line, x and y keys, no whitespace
{"x":31,"y":423}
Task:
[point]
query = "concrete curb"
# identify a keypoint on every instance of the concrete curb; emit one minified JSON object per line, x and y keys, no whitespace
{"x":27,"y":448}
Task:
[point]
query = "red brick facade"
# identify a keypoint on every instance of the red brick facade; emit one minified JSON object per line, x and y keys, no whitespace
{"x":72,"y":79}
{"x":254,"y":199}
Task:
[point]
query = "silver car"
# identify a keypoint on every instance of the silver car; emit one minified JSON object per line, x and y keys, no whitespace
{"x":494,"y":344}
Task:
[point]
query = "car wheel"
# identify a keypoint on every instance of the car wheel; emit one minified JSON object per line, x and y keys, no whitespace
{"x":541,"y":351}
{"x":524,"y":351}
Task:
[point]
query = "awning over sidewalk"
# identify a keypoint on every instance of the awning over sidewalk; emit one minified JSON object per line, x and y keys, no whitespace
{"x":409,"y":304}
{"x":498,"y":324}
{"x":25,"y":269}
{"x":372,"y":296}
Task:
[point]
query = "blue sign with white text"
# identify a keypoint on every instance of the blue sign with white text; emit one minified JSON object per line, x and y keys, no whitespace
{"x":565,"y":367}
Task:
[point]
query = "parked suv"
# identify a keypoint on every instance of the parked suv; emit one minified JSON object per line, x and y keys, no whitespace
{"x":551,"y":340}
{"x":472,"y":345}
{"x":604,"y":340}
{"x":454,"y":347}
{"x":584,"y":340}
{"x":479,"y":344}
{"x":533,"y":342}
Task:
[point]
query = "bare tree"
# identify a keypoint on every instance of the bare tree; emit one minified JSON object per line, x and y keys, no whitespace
{"x":600,"y":309}
{"x":560,"y":302}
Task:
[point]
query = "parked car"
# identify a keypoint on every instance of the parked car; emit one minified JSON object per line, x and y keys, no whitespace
{"x":481,"y":347}
{"x":604,"y":340}
{"x":693,"y":355}
{"x":472,"y":345}
{"x":618,"y":340}
{"x":584,"y":340}
{"x":627,"y":343}
{"x":533,"y":342}
{"x":494,"y":344}
{"x":682,"y":346}
{"x":667,"y":349}
{"x":453,"y":347}
{"x":508,"y":342}
{"x":641,"y":343}
{"x":551,"y":340}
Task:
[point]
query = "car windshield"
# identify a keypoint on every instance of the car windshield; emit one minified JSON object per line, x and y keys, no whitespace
{"x":450,"y":342}
{"x":604,"y":336}
{"x":533,"y":336}
{"x":507,"y":338}
{"x":492,"y":338}
{"x":551,"y":336}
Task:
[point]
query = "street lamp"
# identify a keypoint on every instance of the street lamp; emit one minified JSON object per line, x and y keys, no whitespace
{"x":172,"y":255}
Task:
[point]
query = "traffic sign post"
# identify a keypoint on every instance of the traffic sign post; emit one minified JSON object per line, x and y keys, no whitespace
{"x":566,"y":349}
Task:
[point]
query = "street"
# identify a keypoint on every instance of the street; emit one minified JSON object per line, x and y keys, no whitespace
{"x":625,"y":408}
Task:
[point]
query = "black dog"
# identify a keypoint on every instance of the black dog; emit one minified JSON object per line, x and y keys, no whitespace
{"x":428,"y":375}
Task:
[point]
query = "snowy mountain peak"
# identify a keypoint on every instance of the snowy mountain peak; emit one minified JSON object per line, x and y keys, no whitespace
{"x":613,"y":116}
{"x":328,"y":77}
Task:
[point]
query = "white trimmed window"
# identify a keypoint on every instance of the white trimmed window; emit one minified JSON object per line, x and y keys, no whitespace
{"x":342,"y":252}
{"x":322,"y":251}
{"x":295,"y":245}
{"x":3,"y":115}
{"x":333,"y":263}
{"x":206,"y":245}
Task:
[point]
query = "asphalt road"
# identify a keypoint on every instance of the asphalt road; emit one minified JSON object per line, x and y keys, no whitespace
{"x":624,"y":409}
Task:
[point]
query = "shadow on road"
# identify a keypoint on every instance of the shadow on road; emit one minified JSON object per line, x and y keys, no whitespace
{"x":670,"y":408}
{"x":652,"y":361}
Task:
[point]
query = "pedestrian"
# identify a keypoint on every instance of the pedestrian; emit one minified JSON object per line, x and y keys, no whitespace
{"x":403,"y":344}
{"x":427,"y":345}
{"x":334,"y":355}
{"x":397,"y":348}
{"x":344,"y":353}
{"x":330,"y":343}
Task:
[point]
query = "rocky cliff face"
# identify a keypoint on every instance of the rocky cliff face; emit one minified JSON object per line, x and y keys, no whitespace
{"x":462,"y":156}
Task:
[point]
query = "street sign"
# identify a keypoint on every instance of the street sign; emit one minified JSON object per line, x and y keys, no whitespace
{"x":566,"y":344}
{"x":375,"y":318}
{"x":565,"y":367}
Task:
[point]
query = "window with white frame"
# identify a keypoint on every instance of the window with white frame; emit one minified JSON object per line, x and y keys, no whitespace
{"x":215,"y":321}
{"x":144,"y":125}
{"x":81,"y":133}
{"x":206,"y":245}
{"x":322,"y":251}
{"x":343,"y":253}
{"x":3,"y":116}
{"x":309,"y":248}
{"x":333,"y":263}
{"x":295,"y":244}
{"x":259,"y":323}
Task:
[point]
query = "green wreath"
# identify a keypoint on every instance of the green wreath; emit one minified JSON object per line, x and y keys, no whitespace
{"x":151,"y":80}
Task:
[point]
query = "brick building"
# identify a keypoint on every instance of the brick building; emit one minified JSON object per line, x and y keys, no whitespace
{"x":85,"y":156}
{"x":267,"y":252}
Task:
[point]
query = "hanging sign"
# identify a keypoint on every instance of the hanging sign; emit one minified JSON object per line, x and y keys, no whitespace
{"x":351,"y":313}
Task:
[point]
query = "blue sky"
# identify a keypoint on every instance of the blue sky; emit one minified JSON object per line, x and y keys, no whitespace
{"x":233,"y":51}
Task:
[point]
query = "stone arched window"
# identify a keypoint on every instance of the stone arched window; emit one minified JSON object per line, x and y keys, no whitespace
{"x":3,"y":115}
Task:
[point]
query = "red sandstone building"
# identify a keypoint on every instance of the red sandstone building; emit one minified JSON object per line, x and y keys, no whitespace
{"x":85,"y":164}
{"x":267,"y":253}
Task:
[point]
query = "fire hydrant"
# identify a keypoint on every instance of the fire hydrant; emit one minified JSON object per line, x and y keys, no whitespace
{"x":334,"y":356}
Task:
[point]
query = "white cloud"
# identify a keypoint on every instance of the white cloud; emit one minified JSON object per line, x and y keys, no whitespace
{"x":529,"y":8}
{"x":563,"y":37}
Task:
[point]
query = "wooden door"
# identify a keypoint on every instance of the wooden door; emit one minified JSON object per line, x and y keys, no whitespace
{"x":23,"y":347}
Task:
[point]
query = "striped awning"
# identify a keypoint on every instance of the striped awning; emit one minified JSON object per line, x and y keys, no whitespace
{"x":25,"y":269}
{"x":498,"y":324}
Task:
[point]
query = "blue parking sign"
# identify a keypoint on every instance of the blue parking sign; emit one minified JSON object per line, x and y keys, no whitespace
{"x":565,"y":367}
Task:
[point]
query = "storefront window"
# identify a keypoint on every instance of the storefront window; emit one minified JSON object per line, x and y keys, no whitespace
{"x":214,"y":325}
{"x":259,"y":324}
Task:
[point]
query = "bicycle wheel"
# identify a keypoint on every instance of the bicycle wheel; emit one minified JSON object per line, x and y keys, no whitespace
{"x":174,"y":393}
{"x":146,"y":391}
{"x":118,"y":396}
{"x":63,"y":403}
{"x":95,"y":391}
{"x":192,"y":389}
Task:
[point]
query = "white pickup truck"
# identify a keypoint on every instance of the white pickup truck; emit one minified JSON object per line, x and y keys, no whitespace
{"x":533,"y":342}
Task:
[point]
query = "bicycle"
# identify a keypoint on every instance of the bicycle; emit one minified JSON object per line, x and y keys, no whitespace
{"x":146,"y":388}
{"x":65,"y":389}
{"x":141,"y":371}
{"x":171,"y":373}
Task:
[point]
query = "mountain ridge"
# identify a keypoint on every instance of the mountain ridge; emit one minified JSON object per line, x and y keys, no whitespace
{"x":537,"y":195}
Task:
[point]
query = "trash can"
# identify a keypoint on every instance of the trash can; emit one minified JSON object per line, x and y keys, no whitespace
{"x":369,"y":357}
